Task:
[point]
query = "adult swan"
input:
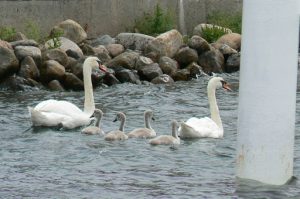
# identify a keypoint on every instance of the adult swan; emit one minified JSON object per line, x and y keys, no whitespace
{"x":63,"y":113}
{"x":206,"y":127}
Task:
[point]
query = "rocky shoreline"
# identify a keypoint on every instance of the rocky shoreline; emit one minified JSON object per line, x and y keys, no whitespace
{"x":129,"y":57}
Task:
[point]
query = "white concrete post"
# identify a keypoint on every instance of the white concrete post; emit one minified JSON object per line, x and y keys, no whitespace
{"x":267,"y":94}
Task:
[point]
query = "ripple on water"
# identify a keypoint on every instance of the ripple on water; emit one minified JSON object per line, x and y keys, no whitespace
{"x":43,"y":162}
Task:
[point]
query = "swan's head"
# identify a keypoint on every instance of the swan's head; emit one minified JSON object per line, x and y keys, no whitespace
{"x":149,"y":114}
{"x":95,"y":63}
{"x":98,"y":113}
{"x":120,"y":117}
{"x":218,"y":82}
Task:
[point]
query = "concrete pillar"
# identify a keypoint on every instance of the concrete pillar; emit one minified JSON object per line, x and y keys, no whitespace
{"x":267,"y":94}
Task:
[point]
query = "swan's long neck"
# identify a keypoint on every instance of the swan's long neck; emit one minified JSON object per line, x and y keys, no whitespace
{"x":175,"y":130}
{"x":213,"y":106}
{"x":147,"y":121}
{"x":89,"y":105}
{"x":122,"y":124}
{"x":98,"y":121}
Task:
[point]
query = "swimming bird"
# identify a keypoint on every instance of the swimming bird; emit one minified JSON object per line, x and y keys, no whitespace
{"x":206,"y":127}
{"x":167,"y":139}
{"x":93,"y":130}
{"x":63,"y":113}
{"x":117,"y":134}
{"x":146,"y":132}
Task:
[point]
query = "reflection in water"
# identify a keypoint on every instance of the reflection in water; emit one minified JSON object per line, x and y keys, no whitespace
{"x":47,"y":162}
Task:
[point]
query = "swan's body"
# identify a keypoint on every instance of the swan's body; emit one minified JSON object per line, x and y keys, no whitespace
{"x":206,"y":127}
{"x":93,"y":130}
{"x":54,"y":113}
{"x":167,"y":139}
{"x":117,"y":134}
{"x":146,"y":132}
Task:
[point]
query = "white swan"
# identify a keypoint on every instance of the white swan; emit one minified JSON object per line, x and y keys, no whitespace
{"x":54,"y":113}
{"x":206,"y":127}
{"x":117,"y":134}
{"x":93,"y":130}
{"x":146,"y":132}
{"x":167,"y":139}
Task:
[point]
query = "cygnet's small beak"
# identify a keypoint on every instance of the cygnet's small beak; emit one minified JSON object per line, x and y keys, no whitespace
{"x":116,"y":119}
{"x":225,"y":85}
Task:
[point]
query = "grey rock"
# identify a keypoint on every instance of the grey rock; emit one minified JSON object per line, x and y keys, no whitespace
{"x":32,"y":51}
{"x":115,"y":49}
{"x":168,"y":65}
{"x":162,"y":79}
{"x":182,"y":75}
{"x":53,"y":70}
{"x":66,"y":44}
{"x":185,"y":56}
{"x":55,"y":85}
{"x":16,"y":83}
{"x":149,"y":72}
{"x":233,"y":40}
{"x":72,"y":82}
{"x":199,"y":44}
{"x":142,"y":61}
{"x":232,"y":63}
{"x":212,"y":61}
{"x":28,"y":69}
{"x":57,"y":55}
{"x":27,"y":42}
{"x":127,"y":75}
{"x":72,"y":30}
{"x":133,"y":41}
{"x":9,"y":63}
{"x":103,"y":40}
{"x":126,"y":60}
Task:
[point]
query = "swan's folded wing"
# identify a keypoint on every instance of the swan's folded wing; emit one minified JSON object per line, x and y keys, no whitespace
{"x":205,"y":127}
{"x":59,"y":107}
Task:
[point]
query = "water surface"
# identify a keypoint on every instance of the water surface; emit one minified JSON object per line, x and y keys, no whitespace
{"x":50,"y":163}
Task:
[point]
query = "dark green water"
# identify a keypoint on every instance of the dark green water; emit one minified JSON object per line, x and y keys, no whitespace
{"x":48,"y":163}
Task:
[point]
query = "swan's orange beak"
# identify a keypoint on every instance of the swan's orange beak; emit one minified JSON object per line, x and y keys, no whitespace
{"x":103,"y":68}
{"x":225,"y":85}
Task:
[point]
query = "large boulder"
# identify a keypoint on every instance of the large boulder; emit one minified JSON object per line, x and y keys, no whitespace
{"x":182,"y":75}
{"x":198,"y":30}
{"x":232,"y":63}
{"x":126,"y":60}
{"x":233,"y":40}
{"x":66,"y":44}
{"x":5,"y":44}
{"x":102,"y":53}
{"x":127,"y":75}
{"x":162,"y":79}
{"x":166,"y":44}
{"x":32,"y":51}
{"x":72,"y":30}
{"x":185,"y":56}
{"x":57,"y":55}
{"x":16,"y":83}
{"x":53,"y":70}
{"x":55,"y":85}
{"x":103,"y":40}
{"x":133,"y":41}
{"x":115,"y":49}
{"x":9,"y":63}
{"x":72,"y":82}
{"x":26,"y":42}
{"x":149,"y":72}
{"x":212,"y":61}
{"x":142,"y":61}
{"x":195,"y":70}
{"x":224,"y":49}
{"x":28,"y":69}
{"x":168,"y":65}
{"x":199,"y":44}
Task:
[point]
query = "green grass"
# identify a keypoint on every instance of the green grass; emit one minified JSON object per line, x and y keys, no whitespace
{"x":212,"y":34}
{"x":233,"y":21}
{"x":54,"y":36}
{"x":7,"y":33}
{"x":155,"y":23}
{"x":32,"y":31}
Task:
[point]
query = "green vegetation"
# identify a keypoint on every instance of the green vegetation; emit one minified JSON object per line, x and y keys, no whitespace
{"x":155,"y":23}
{"x":32,"y":31}
{"x":54,"y":38}
{"x":231,"y":21}
{"x":7,"y":33}
{"x":212,"y":34}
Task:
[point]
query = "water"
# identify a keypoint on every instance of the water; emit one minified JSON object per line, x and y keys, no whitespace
{"x":48,"y":163}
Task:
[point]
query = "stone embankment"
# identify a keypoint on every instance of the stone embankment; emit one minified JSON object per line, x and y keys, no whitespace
{"x":129,"y":57}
